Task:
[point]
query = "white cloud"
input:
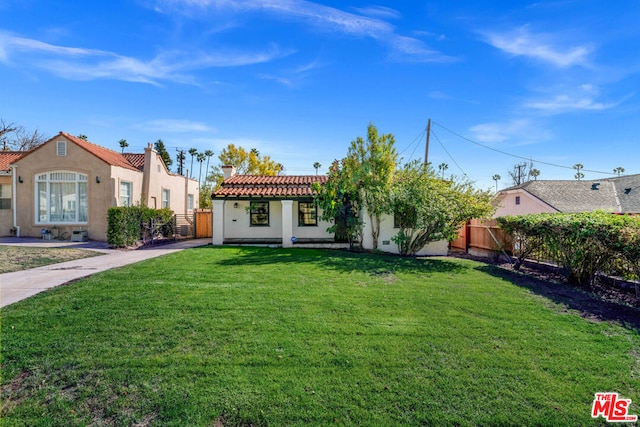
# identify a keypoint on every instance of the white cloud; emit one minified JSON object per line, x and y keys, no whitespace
{"x":368,"y":23}
{"x":378,"y":12}
{"x":522,"y":131}
{"x":543,"y":47}
{"x":174,"y":126}
{"x":565,"y":103}
{"x":582,"y":97}
{"x":89,"y":64}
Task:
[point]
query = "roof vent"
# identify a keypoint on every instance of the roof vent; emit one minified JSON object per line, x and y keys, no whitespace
{"x":595,"y":186}
{"x":627,"y":190}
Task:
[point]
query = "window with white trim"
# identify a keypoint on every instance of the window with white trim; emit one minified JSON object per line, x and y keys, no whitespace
{"x":125,"y":193}
{"x":166,"y":198}
{"x":61,"y":148}
{"x":61,"y":197}
{"x":5,"y":196}
{"x":190,"y":202}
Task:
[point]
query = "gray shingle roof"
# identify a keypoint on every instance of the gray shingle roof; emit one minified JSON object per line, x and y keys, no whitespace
{"x":628,"y":191}
{"x":620,"y":194}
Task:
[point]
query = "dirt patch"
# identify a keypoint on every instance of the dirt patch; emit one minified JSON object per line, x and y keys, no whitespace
{"x":16,"y":258}
{"x":599,"y":302}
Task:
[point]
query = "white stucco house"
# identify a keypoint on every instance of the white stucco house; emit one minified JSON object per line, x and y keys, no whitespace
{"x":279,"y":210}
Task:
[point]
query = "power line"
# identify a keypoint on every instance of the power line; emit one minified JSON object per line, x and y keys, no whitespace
{"x":517,"y":156}
{"x":415,"y":143}
{"x":449,"y":154}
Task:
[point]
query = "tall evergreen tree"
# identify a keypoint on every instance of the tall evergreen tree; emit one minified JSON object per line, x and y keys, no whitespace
{"x":161,"y":149}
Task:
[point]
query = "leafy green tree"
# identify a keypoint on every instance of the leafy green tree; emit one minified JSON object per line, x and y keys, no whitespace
{"x":428,"y":209}
{"x":316,"y":166}
{"x":209,"y":154}
{"x":193,"y":152}
{"x":442,"y":167}
{"x":578,"y":167}
{"x":534,"y":173}
{"x":161,"y":149}
{"x":201,"y":157}
{"x":371,"y":165}
{"x":123,"y":144}
{"x":339,"y":202}
{"x":496,"y":178}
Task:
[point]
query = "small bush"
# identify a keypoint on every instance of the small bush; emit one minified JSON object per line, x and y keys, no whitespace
{"x":127,"y":224}
{"x":585,"y":243}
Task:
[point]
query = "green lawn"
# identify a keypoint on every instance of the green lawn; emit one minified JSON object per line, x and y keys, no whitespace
{"x":259,"y":336}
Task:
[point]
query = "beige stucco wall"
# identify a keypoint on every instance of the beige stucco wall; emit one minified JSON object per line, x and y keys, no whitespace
{"x":161,"y":179}
{"x":45,"y":159}
{"x":528,"y":204}
{"x":101,"y":195}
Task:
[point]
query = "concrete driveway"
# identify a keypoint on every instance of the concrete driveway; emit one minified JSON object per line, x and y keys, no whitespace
{"x":19,"y":285}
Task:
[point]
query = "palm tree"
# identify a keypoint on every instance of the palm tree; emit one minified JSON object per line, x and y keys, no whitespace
{"x":579,"y":175}
{"x":193,"y":152}
{"x":535,"y":173}
{"x":619,"y":170}
{"x":123,"y":144}
{"x":201,"y":157}
{"x":443,"y":167}
{"x":317,"y":166}
{"x":209,"y":154}
{"x":496,"y":178}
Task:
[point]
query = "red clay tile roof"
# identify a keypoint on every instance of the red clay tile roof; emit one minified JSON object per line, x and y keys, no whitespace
{"x":8,"y":157}
{"x":269,"y":186}
{"x":136,"y":159}
{"x":108,"y":156}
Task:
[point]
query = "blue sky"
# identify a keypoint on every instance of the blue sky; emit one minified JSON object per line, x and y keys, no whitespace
{"x":553,"y":81}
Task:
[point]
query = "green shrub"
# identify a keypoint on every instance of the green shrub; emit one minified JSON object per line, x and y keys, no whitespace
{"x":128,"y":224}
{"x":584,"y":243}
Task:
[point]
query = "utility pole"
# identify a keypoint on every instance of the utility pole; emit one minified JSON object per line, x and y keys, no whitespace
{"x":426,"y":148}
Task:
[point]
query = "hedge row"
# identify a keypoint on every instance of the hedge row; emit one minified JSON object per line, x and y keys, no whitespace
{"x":126,"y":225}
{"x":586,"y":243}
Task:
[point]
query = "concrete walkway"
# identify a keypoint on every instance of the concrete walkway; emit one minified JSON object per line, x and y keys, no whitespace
{"x":19,"y":285}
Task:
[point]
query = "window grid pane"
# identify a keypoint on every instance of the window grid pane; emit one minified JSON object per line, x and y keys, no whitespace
{"x":5,"y":196}
{"x":259,"y":213}
{"x":62,"y":197}
{"x":307,"y":213}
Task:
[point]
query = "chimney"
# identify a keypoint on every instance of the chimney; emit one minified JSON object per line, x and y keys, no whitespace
{"x":228,"y":171}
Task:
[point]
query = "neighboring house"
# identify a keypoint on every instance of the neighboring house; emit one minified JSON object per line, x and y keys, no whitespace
{"x":6,"y":190}
{"x":68,"y":184}
{"x":253,"y":209}
{"x":616,"y":195}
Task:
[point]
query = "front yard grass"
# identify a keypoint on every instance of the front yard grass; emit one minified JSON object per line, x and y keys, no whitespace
{"x":15,"y":258}
{"x":258,"y":336}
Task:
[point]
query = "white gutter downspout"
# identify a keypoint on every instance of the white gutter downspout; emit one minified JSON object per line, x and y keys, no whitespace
{"x":14,"y":201}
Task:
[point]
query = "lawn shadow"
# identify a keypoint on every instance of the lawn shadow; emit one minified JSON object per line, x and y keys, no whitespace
{"x":343,"y":260}
{"x":589,"y":306}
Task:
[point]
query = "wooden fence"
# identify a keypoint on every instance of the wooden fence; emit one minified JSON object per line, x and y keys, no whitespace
{"x":483,"y":235}
{"x":203,"y":222}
